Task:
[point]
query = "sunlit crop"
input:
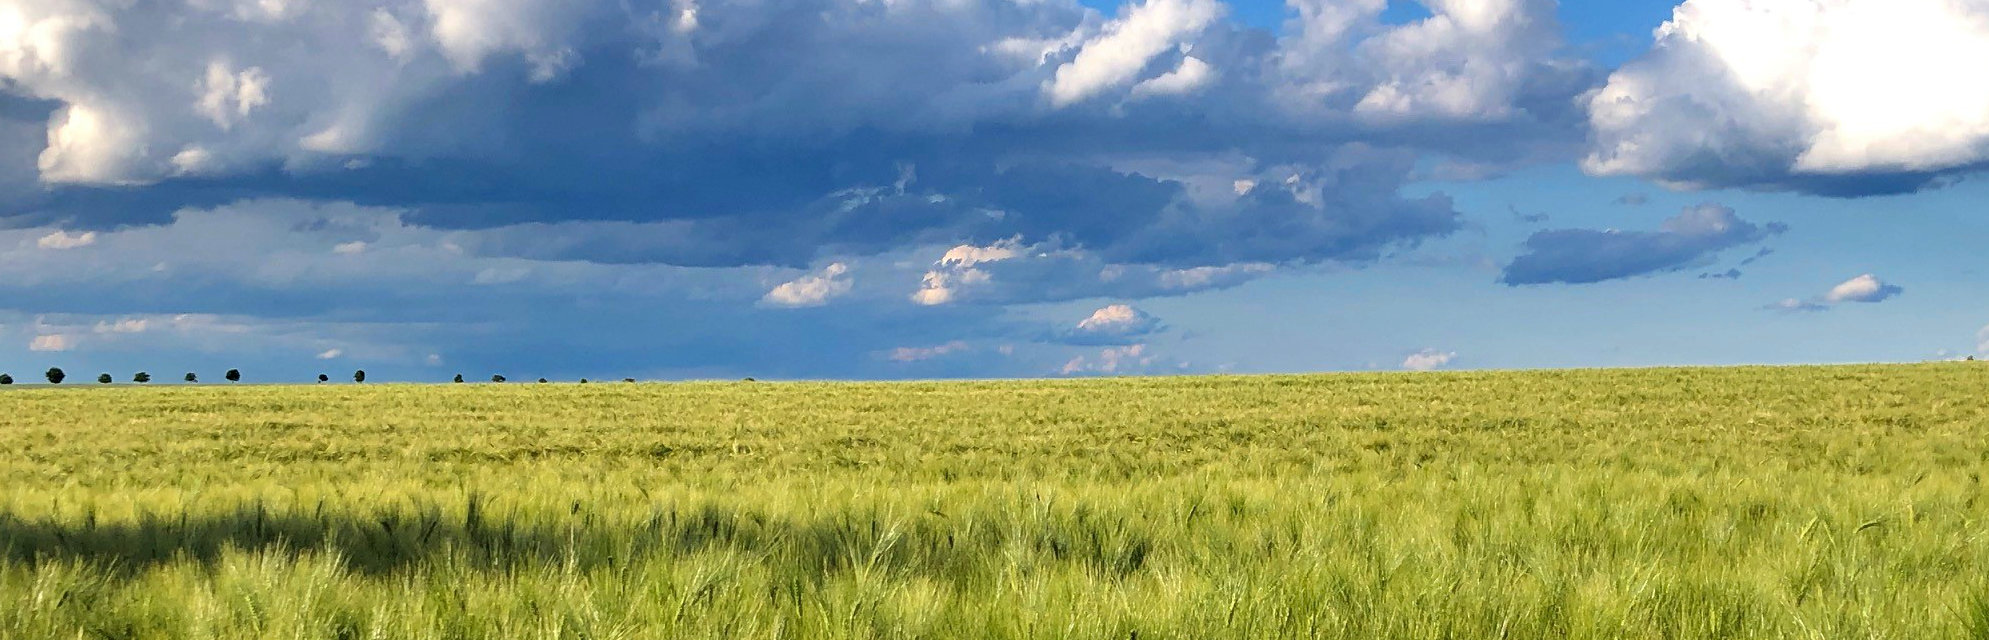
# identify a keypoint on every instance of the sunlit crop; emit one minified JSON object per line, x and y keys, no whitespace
{"x":1822,"y":502}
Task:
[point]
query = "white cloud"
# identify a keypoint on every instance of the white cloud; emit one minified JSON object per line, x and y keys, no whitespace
{"x":1113,"y":324}
{"x":330,"y":354}
{"x":812,"y":290}
{"x":1112,"y":360}
{"x":63,"y":240}
{"x":1125,"y":46}
{"x":1760,"y":91}
{"x":921,"y":354}
{"x":51,"y":343}
{"x":1191,"y":75}
{"x":958,"y":269}
{"x":1865,"y":288}
{"x":1428,"y":360}
{"x":1797,"y":305}
{"x":349,"y":248}
{"x":1468,"y":60}
{"x":124,"y":325}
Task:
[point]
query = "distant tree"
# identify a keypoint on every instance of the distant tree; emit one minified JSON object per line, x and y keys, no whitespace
{"x":6,"y":379}
{"x":191,"y":379}
{"x":459,"y":378}
{"x":233,"y":375}
{"x":628,"y":380}
{"x":55,"y":375}
{"x":498,"y":379}
{"x":322,"y":378}
{"x":142,"y":378}
{"x":103,"y":378}
{"x":583,"y":381}
{"x":542,"y":380}
{"x":749,"y":380}
{"x":359,"y":376}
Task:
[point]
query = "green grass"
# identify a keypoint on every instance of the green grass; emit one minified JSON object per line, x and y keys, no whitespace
{"x":1821,"y":502}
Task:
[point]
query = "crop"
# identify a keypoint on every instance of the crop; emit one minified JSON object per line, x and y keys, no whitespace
{"x":1810,"y":502}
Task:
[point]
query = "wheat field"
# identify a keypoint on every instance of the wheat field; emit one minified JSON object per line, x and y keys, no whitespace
{"x":1805,"y":502}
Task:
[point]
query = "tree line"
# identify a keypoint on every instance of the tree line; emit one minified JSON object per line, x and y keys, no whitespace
{"x":55,"y":375}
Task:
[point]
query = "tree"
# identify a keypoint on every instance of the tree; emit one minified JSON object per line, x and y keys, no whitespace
{"x":583,"y":381}
{"x":459,"y":378}
{"x":103,"y":378}
{"x":142,"y":378}
{"x":233,"y":375}
{"x":629,"y":380}
{"x":190,"y":378}
{"x":6,"y":379}
{"x":542,"y":380}
{"x":497,"y":379}
{"x":55,"y":375}
{"x":359,"y":376}
{"x":322,"y":378}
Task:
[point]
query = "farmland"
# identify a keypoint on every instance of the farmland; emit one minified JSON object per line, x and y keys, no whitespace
{"x":1806,"y":502}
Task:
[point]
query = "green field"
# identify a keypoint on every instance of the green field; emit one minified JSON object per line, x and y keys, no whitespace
{"x":1817,"y":502}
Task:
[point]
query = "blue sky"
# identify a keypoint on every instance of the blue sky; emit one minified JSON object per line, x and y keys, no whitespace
{"x":985,"y":188}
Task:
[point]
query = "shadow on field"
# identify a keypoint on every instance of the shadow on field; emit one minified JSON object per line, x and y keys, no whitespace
{"x":388,"y":542}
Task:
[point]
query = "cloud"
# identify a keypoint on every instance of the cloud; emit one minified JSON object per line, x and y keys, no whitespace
{"x":51,"y":343}
{"x":1836,"y":97}
{"x":1982,"y":341}
{"x":1007,"y":272}
{"x":1865,"y":288}
{"x":1581,"y":256}
{"x":1130,"y":359}
{"x":812,"y":290}
{"x":63,"y":240}
{"x":1117,"y":324}
{"x":921,"y":354}
{"x":330,"y":354}
{"x":1798,"y":305}
{"x":674,"y":159}
{"x":1128,"y":44}
{"x":1428,"y":360}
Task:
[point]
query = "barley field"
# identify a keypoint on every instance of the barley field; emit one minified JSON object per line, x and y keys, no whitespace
{"x":1808,"y":502}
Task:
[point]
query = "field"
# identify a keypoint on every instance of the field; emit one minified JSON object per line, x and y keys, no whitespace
{"x":1815,"y":502}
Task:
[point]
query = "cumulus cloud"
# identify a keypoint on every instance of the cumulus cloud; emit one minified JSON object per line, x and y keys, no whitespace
{"x":1008,"y":272}
{"x":1128,"y":44}
{"x":1840,"y":97}
{"x":812,"y":290}
{"x":1117,"y":324}
{"x":1128,"y":359}
{"x":653,"y":155}
{"x":64,"y":240}
{"x":1866,"y":289}
{"x":330,"y":354}
{"x":51,"y":343}
{"x":1581,"y":256}
{"x":1428,"y":360}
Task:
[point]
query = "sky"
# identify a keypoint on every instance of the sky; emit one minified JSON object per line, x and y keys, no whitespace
{"x":915,"y":189}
